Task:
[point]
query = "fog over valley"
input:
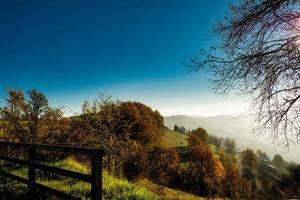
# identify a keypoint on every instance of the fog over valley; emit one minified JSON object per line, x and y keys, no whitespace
{"x":235,"y":127}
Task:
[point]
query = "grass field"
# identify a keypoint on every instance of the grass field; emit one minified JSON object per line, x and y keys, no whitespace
{"x":113,"y":188}
{"x":166,"y":193}
{"x":175,"y":139}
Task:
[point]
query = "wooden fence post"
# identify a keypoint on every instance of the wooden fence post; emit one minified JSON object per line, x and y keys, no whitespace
{"x":31,"y":170}
{"x":97,"y":176}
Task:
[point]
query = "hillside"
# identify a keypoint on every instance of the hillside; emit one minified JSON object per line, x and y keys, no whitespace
{"x":175,"y":139}
{"x":113,"y":188}
{"x":165,"y":192}
{"x":235,"y":127}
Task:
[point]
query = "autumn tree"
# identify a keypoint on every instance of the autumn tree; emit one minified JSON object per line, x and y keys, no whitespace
{"x":193,"y":141}
{"x":135,"y":163}
{"x":28,"y":115}
{"x":145,"y":128}
{"x":201,"y":133}
{"x":36,"y":108}
{"x":200,"y":169}
{"x":99,"y":126}
{"x":143,"y":124}
{"x":13,"y":113}
{"x":163,"y":162}
{"x":54,"y":127}
{"x":258,"y":55}
{"x":250,"y":165}
{"x":205,"y":171}
{"x":128,"y":131}
{"x":232,"y":181}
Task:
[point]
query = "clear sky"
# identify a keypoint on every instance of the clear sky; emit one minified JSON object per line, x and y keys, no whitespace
{"x":71,"y":50}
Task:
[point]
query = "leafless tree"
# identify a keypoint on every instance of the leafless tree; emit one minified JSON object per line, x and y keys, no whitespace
{"x":258,"y":54}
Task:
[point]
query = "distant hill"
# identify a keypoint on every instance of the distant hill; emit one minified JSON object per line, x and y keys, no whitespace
{"x":235,"y":127}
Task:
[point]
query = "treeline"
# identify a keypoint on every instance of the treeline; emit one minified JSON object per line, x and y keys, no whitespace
{"x":132,"y":135}
{"x":215,"y":167}
{"x":181,"y":129}
{"x":254,"y":175}
{"x":130,"y":132}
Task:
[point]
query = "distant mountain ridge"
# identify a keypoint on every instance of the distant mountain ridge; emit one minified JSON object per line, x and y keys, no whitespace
{"x":235,"y":127}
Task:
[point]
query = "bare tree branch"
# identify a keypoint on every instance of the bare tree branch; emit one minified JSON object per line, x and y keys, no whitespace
{"x":259,"y":56}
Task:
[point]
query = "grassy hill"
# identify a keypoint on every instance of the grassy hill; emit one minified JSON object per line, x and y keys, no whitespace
{"x":166,"y":193}
{"x":175,"y":139}
{"x":113,"y":188}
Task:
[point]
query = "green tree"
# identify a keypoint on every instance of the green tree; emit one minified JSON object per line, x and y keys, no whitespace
{"x":176,"y":128}
{"x":182,"y":130}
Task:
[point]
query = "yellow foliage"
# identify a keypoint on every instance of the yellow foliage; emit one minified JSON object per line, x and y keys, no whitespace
{"x":219,"y":168}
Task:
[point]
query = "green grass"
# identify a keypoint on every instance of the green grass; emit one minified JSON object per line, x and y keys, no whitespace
{"x":175,"y":139}
{"x":167,"y":193}
{"x":113,"y":188}
{"x":119,"y":189}
{"x":71,"y":164}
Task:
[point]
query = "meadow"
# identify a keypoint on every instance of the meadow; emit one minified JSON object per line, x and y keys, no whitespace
{"x":113,"y":188}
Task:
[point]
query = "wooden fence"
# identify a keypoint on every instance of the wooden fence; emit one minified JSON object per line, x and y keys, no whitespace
{"x":95,"y":178}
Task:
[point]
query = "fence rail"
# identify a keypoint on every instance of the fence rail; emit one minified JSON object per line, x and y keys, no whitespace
{"x":95,"y":178}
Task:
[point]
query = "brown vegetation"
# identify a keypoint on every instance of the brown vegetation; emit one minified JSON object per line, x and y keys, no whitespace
{"x":132,"y":135}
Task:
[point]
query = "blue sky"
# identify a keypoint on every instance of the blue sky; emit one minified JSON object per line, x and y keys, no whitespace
{"x":131,"y":50}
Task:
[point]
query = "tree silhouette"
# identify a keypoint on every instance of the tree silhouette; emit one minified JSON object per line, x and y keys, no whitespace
{"x":176,"y":128}
{"x":37,"y":106}
{"x":26,"y":113}
{"x":259,"y":56}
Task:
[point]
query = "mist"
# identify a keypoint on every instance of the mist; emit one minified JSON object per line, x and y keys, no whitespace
{"x":235,"y":127}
